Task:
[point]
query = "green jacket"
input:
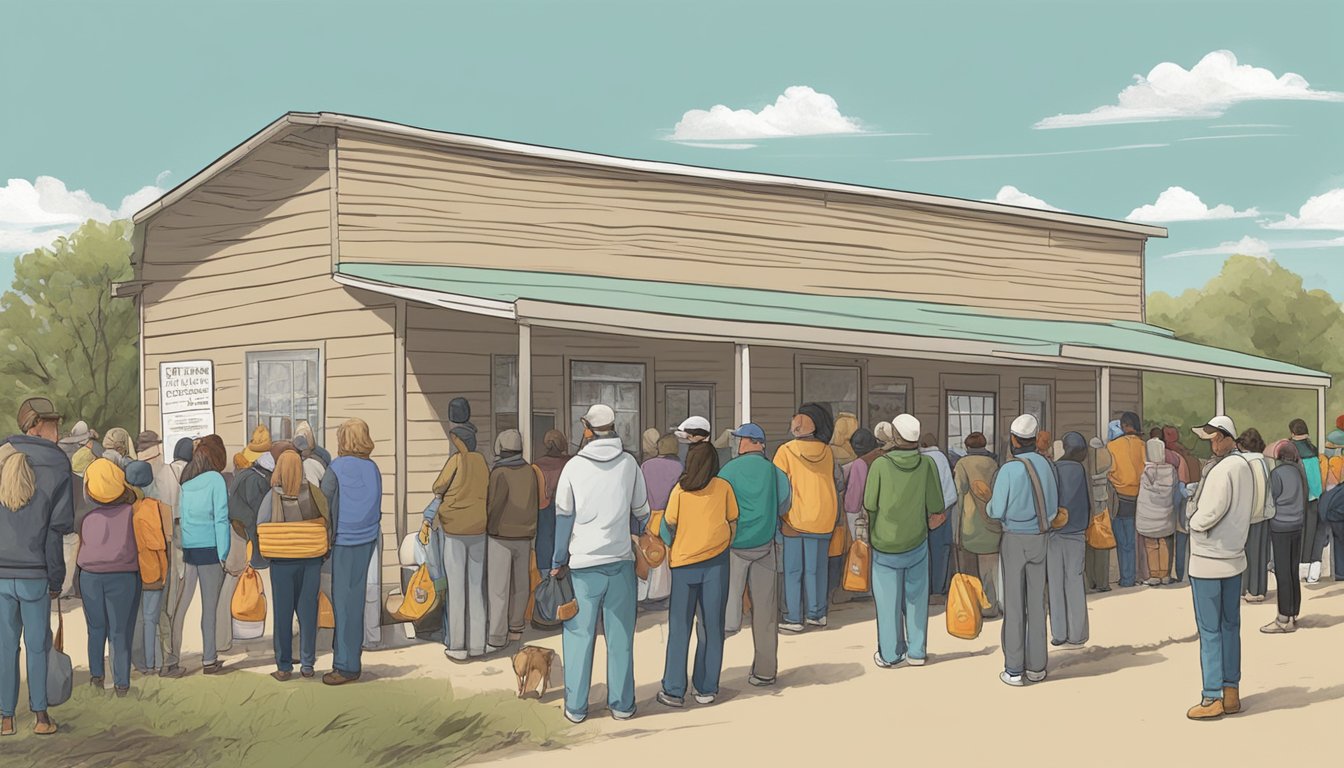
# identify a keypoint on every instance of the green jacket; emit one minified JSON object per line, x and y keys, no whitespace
{"x":903,"y":491}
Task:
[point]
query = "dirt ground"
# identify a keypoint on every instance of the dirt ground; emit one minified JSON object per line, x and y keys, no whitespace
{"x":1124,"y":694}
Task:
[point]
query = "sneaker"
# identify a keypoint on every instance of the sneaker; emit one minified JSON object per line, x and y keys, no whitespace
{"x":1153,"y":582}
{"x":912,"y":661}
{"x":1082,"y":644}
{"x":883,"y":663}
{"x":760,"y":682}
{"x":1013,"y":680}
{"x":705,"y":698}
{"x":1314,"y":573}
{"x":817,"y":622}
{"x":670,"y":701}
{"x":1036,"y":677}
{"x":1277,"y":627}
{"x":791,"y":627}
{"x":573,"y":718}
{"x":1302,"y":570}
{"x":491,"y":650}
{"x":1206,"y":709}
{"x":622,"y":716}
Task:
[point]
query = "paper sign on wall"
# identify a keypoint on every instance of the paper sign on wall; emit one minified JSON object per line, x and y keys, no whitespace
{"x":186,"y":401}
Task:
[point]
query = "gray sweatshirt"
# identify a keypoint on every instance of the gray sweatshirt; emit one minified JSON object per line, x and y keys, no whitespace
{"x":1287,"y":483}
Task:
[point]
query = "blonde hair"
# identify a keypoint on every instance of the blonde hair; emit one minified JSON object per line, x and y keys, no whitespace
{"x":17,"y":481}
{"x":288,"y":474}
{"x":352,"y":439}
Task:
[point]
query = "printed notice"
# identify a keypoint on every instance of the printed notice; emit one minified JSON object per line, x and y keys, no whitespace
{"x":186,"y":402}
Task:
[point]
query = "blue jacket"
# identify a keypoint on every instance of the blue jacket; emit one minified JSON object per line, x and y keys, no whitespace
{"x":1014,"y":503}
{"x":354,"y":491}
{"x":204,"y":508}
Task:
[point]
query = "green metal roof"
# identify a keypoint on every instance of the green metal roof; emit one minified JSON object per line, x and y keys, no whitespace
{"x":907,"y":318}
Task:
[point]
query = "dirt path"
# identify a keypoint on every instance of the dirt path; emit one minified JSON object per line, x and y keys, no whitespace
{"x":1128,"y":690}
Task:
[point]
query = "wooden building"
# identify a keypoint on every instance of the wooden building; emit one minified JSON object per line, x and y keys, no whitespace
{"x":334,"y":266}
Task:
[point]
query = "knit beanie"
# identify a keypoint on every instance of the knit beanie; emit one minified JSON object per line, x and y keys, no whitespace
{"x":104,"y":481}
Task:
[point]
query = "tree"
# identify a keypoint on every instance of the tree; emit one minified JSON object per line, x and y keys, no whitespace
{"x":1258,"y":307}
{"x":63,"y":336}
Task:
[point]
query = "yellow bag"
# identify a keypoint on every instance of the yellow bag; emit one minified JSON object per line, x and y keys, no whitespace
{"x":249,"y":597}
{"x":420,"y":597}
{"x":326,"y":616}
{"x":296,"y":540}
{"x":965,"y":600}
{"x":1099,"y":534}
{"x":858,"y":568}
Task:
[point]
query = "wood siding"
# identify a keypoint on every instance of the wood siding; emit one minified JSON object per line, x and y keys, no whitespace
{"x":243,"y":265}
{"x":402,"y":202}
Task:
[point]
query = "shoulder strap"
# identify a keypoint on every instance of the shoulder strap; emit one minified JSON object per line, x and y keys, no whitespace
{"x":277,"y":507}
{"x":1037,"y":492}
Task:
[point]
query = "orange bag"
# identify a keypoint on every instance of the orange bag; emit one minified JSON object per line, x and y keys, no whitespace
{"x":858,"y":568}
{"x":965,"y":600}
{"x":421,"y":597}
{"x":1099,"y":534}
{"x":249,"y":597}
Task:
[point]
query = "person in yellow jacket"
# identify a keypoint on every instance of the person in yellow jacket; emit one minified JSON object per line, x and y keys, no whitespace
{"x":1128,"y":457}
{"x":459,"y":507}
{"x":814,"y":479}
{"x":260,"y":443}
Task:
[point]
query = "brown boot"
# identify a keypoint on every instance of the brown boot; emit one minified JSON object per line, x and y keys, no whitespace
{"x":337,"y":678}
{"x":45,"y":725}
{"x":7,"y":726}
{"x":1207,"y":709}
{"x":1231,"y":701}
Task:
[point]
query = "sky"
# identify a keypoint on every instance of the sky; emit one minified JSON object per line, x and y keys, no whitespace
{"x":1219,"y":120}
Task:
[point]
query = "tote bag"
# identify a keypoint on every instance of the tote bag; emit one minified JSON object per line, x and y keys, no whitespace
{"x":60,"y":672}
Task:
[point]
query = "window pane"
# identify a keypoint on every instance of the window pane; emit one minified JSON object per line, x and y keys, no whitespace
{"x":618,"y":385}
{"x":700,"y":405}
{"x":282,"y":390}
{"x":837,"y":387}
{"x":589,"y":371}
{"x":1036,"y":401}
{"x":504,"y":384}
{"x":967,"y":413}
{"x":677,"y":406}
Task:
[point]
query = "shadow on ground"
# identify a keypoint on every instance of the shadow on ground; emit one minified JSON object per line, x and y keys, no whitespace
{"x":1102,"y":660}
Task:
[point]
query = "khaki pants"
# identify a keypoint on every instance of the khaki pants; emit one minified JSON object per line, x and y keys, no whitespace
{"x":1158,"y":556}
{"x":754,"y":570}
{"x":507,"y":583}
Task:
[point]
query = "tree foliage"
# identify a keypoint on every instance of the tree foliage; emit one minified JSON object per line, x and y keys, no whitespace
{"x":1258,"y":307}
{"x":63,"y":336}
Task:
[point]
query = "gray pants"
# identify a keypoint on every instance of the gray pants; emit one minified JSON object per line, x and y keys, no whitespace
{"x":507,"y":585}
{"x":986,"y":569}
{"x":1068,"y":593}
{"x":754,"y":569}
{"x":211,"y":580}
{"x":1255,"y":579}
{"x":464,"y":608}
{"x":1024,"y":646}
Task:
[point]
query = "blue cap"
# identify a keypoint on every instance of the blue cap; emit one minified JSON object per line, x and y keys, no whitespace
{"x":751,"y":432}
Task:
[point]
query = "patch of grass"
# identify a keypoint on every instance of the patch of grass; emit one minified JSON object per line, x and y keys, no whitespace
{"x":249,"y":719}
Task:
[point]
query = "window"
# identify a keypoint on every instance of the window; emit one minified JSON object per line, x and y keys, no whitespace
{"x":969,"y":412}
{"x":504,"y":392}
{"x":833,"y":385}
{"x":887,"y":399}
{"x":1038,"y":399}
{"x":283,"y":388}
{"x":682,"y":401}
{"x":619,"y":385}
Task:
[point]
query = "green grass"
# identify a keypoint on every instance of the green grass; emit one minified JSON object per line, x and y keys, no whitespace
{"x":244,"y":719}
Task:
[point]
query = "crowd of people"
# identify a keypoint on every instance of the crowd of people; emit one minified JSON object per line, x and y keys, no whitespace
{"x":705,"y":530}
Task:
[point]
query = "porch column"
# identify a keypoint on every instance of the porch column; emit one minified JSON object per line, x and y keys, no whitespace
{"x":741,"y":384}
{"x":1103,"y":401}
{"x":525,"y":388}
{"x":1321,"y":419}
{"x":1219,"y":399}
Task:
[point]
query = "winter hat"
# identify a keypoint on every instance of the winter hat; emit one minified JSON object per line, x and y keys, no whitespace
{"x":822,"y":421}
{"x":1075,"y":447}
{"x":182,"y":450}
{"x":266,"y":461}
{"x":509,"y":441}
{"x":885,"y":434}
{"x":600,"y":416}
{"x":1025,"y":427}
{"x":146,"y":440}
{"x":1114,"y":430}
{"x":139,"y":474}
{"x":907,"y":427}
{"x":36,"y":409}
{"x":104,"y":481}
{"x":467,"y":436}
{"x":261,"y":439}
{"x":459,"y":410}
{"x":80,"y":435}
{"x":863,"y":442}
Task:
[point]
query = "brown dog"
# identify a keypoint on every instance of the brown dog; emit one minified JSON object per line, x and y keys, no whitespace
{"x":533,"y":666}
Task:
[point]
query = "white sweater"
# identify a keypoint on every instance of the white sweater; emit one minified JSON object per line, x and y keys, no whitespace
{"x":1222,"y":519}
{"x":601,"y":488}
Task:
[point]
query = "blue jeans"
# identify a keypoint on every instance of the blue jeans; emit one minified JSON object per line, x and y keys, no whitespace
{"x":805,"y":564}
{"x":901,"y":596}
{"x":1182,"y":548}
{"x":151,"y":605}
{"x":1126,"y":544}
{"x":545,"y":546}
{"x":698,"y":590}
{"x":349,"y":571}
{"x":294,"y":588}
{"x":609,"y":591}
{"x":25,"y":609}
{"x":940,"y":566}
{"x":111,"y":601}
{"x":1218,"y":616}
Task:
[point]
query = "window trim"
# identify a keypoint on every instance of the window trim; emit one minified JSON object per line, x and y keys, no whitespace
{"x":495,"y":413}
{"x":713,"y":401}
{"x":860,"y":364}
{"x":290,"y":353}
{"x":646,"y":394}
{"x":908,"y":381}
{"x":1049,"y":384}
{"x":949,"y":393}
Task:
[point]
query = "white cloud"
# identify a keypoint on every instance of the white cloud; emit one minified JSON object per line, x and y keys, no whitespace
{"x":1248,"y":246}
{"x":1324,"y":211}
{"x":1180,"y":204}
{"x":946,"y":158}
{"x":1171,"y":92}
{"x":33,"y":214}
{"x":1010,"y":195}
{"x":799,"y":111}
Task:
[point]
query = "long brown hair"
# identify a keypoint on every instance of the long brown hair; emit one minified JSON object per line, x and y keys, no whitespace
{"x":288,"y":474}
{"x":208,"y":455}
{"x":702,"y":465}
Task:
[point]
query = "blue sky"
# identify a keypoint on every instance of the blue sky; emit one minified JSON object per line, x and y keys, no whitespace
{"x":106,"y":103}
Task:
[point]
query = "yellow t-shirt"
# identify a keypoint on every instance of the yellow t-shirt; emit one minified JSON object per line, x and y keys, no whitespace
{"x":701,"y":520}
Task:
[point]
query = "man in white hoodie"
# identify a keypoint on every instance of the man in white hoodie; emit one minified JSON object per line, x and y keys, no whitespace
{"x":1219,"y":526}
{"x":598,"y":491}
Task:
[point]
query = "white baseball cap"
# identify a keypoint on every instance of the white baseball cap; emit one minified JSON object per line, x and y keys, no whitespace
{"x":699,"y":423}
{"x":1024,"y":427}
{"x":600,"y":416}
{"x":1217,"y":424}
{"x":907,"y":427}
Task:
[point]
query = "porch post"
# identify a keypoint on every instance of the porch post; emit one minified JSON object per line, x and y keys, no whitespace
{"x":525,"y":388}
{"x":1321,"y":419}
{"x":741,"y":384}
{"x":1219,"y":399}
{"x":1103,"y":401}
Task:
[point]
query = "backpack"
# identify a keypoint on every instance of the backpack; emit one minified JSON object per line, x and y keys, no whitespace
{"x":297,"y":529}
